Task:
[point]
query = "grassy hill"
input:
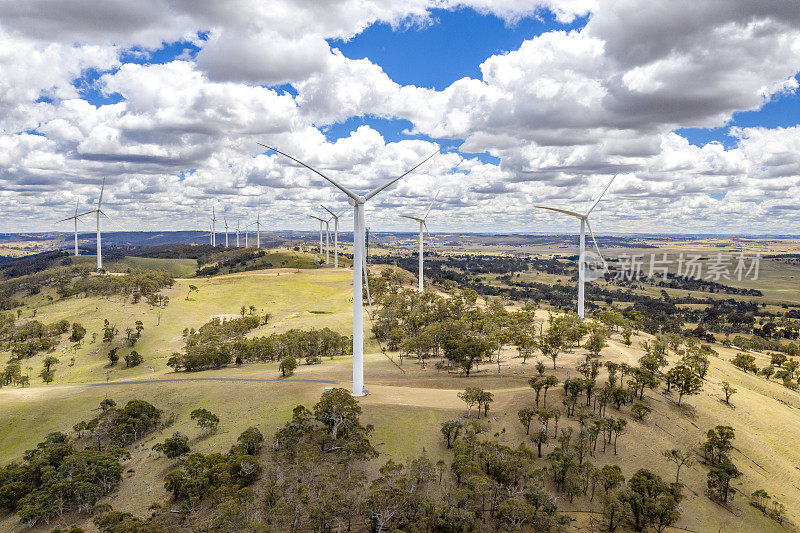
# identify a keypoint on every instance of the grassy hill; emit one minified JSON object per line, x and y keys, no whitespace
{"x":406,"y":403}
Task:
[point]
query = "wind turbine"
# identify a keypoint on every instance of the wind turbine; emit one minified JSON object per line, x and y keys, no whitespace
{"x":75,"y":218}
{"x":213,"y":226}
{"x":99,"y":212}
{"x":327,"y":238}
{"x":422,"y":225}
{"x":237,"y":232}
{"x":335,"y":236}
{"x":226,"y":231}
{"x":258,"y":230}
{"x":357,"y":201}
{"x":584,"y":218}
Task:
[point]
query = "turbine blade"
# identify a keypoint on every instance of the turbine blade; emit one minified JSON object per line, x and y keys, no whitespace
{"x":407,"y":172}
{"x":316,"y":217}
{"x":65,"y":219}
{"x":366,"y":284}
{"x":112,"y":220}
{"x":432,"y":202}
{"x":340,"y":187}
{"x":413,"y":218}
{"x":430,"y":238}
{"x":597,"y":248}
{"x":571,"y":213}
{"x":329,"y":211}
{"x":602,"y":193}
{"x":102,"y":188}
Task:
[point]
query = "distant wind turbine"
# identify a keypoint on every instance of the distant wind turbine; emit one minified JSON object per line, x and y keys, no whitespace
{"x":327,"y":238}
{"x":213,"y":226}
{"x":75,"y":218}
{"x":237,"y":232}
{"x":335,"y":236}
{"x":226,"y":231}
{"x":357,"y":201}
{"x":584,"y":218}
{"x":99,"y":212}
{"x":422,"y":225}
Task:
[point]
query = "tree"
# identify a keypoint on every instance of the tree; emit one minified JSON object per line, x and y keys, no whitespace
{"x":551,"y":342}
{"x":619,"y":428}
{"x":514,"y":513}
{"x":465,"y":350}
{"x":206,"y":420}
{"x":536,"y":384}
{"x":471,"y":396}
{"x":133,"y":359}
{"x":681,"y":458}
{"x":450,"y":430}
{"x":288,"y":365}
{"x":767,"y":371}
{"x":549,"y":381}
{"x":113,"y":356}
{"x":719,"y":479}
{"x":192,"y":288}
{"x":728,"y":390}
{"x":746,"y":362}
{"x":173,"y":447}
{"x":719,"y":441}
{"x":526,"y":415}
{"x":49,"y":361}
{"x":596,"y":342}
{"x":78,"y":332}
{"x":540,"y":437}
{"x":640,"y":411}
{"x":251,"y":440}
{"x":611,"y":477}
{"x":651,"y":501}
{"x":685,"y":380}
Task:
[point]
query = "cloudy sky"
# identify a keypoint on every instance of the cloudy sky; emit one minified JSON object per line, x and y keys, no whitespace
{"x":693,"y":102}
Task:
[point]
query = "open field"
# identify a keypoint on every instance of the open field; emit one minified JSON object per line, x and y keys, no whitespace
{"x":406,"y":404}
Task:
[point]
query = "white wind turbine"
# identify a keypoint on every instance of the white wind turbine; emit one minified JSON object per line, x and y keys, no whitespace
{"x":422,"y":225}
{"x":257,"y":224}
{"x":99,"y":212}
{"x":335,"y":236}
{"x":327,"y":238}
{"x":75,"y":218}
{"x":357,"y":201}
{"x":213,"y":226}
{"x":584,"y":218}
{"x":237,"y":232}
{"x":226,"y":230}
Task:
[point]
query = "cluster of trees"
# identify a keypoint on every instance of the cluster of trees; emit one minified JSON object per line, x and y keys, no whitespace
{"x":716,"y":454}
{"x":115,"y":427}
{"x":243,"y":260}
{"x":29,"y":337}
{"x":62,"y":475}
{"x":219,"y":343}
{"x":761,"y":500}
{"x":786,"y":369}
{"x":12,"y":374}
{"x":136,"y":283}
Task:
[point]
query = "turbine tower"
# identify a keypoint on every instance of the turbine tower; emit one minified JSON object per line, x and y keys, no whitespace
{"x":422,"y":225}
{"x":258,"y":230}
{"x":237,"y":232}
{"x":213,"y":226}
{"x":335,"y":236}
{"x":327,"y":238}
{"x":226,"y":230}
{"x":75,"y":218}
{"x":357,"y":201}
{"x":99,"y":212}
{"x":584,"y":218}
